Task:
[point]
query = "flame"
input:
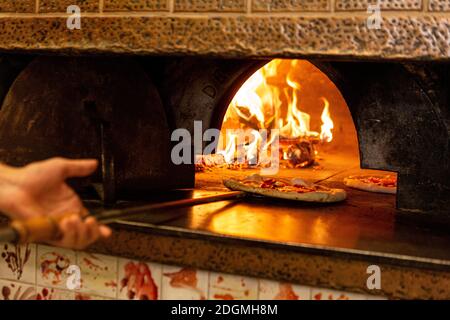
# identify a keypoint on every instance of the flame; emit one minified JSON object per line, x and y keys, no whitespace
{"x":252,"y":148}
{"x":229,"y":151}
{"x":266,"y":102}
{"x":246,"y":99}
{"x":297,"y":122}
{"x":327,"y":124}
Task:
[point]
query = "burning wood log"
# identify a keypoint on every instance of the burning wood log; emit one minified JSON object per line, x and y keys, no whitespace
{"x":295,"y":152}
{"x":298,"y":152}
{"x":205,"y":161}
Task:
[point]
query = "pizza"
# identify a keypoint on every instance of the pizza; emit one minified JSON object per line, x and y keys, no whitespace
{"x":291,"y":189}
{"x":380,"y":183}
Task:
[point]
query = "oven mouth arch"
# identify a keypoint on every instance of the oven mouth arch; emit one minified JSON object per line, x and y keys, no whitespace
{"x":277,"y":84}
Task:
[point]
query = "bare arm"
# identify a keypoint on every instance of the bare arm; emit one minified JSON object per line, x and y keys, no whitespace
{"x":40,"y":189}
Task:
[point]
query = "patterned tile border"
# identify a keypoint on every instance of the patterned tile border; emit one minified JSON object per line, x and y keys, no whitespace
{"x":45,"y":277}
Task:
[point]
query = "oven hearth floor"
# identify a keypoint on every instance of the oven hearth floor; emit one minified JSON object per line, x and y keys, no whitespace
{"x":365,"y":225}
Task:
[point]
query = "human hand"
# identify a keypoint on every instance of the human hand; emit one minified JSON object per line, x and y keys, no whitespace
{"x":39,"y":189}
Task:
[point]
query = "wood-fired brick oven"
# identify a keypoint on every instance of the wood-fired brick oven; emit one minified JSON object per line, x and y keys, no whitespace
{"x":127,"y":107}
{"x":136,"y":70}
{"x":394,"y":80}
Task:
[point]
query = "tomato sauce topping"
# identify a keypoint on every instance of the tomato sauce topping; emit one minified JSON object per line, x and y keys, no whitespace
{"x":388,"y":181}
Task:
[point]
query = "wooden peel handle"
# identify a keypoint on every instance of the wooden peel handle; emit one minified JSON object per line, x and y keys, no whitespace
{"x":38,"y":229}
{"x":46,"y":228}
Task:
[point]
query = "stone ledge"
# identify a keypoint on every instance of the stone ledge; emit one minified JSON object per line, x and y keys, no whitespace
{"x":25,"y":6}
{"x":210,"y":5}
{"x":140,"y":5}
{"x":287,"y":5}
{"x":61,"y":5}
{"x":439,"y":5}
{"x":400,"y":37}
{"x":362,"y":5}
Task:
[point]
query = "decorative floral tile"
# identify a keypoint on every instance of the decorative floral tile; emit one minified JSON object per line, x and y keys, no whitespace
{"x":232,"y":287}
{"x":44,"y":293}
{"x":52,"y":264}
{"x":273,"y":290}
{"x":98,"y":274}
{"x":184,"y":283}
{"x":139,"y":280}
{"x":18,"y":262}
{"x":10,"y":290}
{"x":325,"y":294}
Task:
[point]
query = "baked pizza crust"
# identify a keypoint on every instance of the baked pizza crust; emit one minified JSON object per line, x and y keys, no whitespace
{"x":323,"y":195}
{"x":356,"y":183}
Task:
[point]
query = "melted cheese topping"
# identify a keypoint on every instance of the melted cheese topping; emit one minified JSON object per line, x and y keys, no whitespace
{"x":280,"y":185}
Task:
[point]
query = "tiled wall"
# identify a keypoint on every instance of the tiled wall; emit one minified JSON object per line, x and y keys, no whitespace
{"x":41,"y":272}
{"x":44,"y":6}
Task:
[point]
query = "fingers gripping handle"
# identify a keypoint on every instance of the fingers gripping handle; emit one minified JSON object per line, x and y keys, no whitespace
{"x":46,"y":228}
{"x":38,"y":229}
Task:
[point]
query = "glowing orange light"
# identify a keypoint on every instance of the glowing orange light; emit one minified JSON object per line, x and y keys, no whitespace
{"x":257,"y":105}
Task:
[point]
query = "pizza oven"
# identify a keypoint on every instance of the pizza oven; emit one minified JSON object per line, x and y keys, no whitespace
{"x":336,"y":118}
{"x":348,"y":98}
{"x":174,"y":96}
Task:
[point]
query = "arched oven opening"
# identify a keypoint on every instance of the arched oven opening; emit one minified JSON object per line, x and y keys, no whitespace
{"x":293,"y":101}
